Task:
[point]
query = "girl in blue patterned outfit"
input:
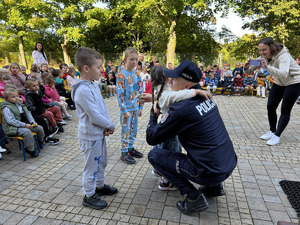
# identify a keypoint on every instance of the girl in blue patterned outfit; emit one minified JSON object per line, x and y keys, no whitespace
{"x":128,"y":88}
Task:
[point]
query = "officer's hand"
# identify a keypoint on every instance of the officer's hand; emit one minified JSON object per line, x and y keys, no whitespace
{"x":157,"y":112}
{"x":203,"y":93}
{"x":147,"y":97}
{"x":140,"y":113}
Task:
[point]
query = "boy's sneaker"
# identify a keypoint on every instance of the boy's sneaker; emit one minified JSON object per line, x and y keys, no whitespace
{"x":94,"y":202}
{"x":136,"y":154}
{"x":62,"y":122}
{"x":274,"y":140}
{"x":267,"y":135}
{"x":68,"y":117}
{"x":53,"y":132}
{"x":33,"y":153}
{"x":166,"y":186}
{"x":51,"y":141}
{"x":106,"y":190}
{"x":128,"y":158}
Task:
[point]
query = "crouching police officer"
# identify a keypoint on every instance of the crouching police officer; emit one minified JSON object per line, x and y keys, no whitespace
{"x":210,"y":155}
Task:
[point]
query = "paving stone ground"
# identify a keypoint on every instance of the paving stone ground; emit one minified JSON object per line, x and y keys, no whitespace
{"x":47,"y":189}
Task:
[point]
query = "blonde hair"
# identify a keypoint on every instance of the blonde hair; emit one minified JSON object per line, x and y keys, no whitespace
{"x":4,"y":72}
{"x":86,"y":56}
{"x":13,"y":64}
{"x":34,"y":68}
{"x":49,"y":80}
{"x":130,"y":50}
{"x":44,"y":76}
{"x":22,"y":67}
{"x":12,"y":86}
{"x":30,"y":81}
{"x":34,"y":75}
{"x":8,"y":91}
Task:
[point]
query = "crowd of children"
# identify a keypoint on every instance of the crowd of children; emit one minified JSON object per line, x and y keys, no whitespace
{"x":35,"y":102}
{"x":235,"y":81}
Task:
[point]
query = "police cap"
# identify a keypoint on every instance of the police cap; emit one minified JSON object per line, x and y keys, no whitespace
{"x":187,"y":70}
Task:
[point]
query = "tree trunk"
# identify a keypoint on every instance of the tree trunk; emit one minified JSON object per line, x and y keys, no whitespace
{"x":172,"y":43}
{"x":22,"y":53}
{"x":6,"y":58}
{"x":67,"y":58}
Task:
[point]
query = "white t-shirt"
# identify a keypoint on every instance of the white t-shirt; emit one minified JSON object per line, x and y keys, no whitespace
{"x":38,"y":58}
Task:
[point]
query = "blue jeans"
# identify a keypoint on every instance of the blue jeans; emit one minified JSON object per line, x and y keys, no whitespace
{"x":172,"y":144}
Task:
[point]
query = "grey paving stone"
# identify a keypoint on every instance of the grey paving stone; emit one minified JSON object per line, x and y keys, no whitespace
{"x":171,"y":214}
{"x":5,"y":215}
{"x":28,"y":220}
{"x":34,"y":194}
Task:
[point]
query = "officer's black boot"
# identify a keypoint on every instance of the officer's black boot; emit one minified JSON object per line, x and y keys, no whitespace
{"x":190,"y":206}
{"x":213,"y":191}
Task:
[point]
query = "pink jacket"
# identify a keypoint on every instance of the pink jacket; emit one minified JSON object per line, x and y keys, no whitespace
{"x":1,"y":88}
{"x":51,"y":93}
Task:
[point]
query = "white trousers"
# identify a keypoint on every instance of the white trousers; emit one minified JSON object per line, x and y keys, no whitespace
{"x":95,"y":155}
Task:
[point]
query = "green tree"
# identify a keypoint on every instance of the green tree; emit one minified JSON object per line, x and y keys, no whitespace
{"x":69,"y":21}
{"x":22,"y":18}
{"x":277,"y":18}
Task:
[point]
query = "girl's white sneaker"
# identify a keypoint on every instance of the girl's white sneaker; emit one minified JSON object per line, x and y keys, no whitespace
{"x":274,"y":140}
{"x":267,"y":135}
{"x":2,"y":149}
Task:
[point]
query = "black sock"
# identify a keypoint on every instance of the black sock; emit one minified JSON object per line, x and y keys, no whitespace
{"x":194,"y":195}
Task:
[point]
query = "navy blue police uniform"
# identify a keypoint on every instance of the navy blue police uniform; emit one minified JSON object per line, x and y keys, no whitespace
{"x":210,"y":157}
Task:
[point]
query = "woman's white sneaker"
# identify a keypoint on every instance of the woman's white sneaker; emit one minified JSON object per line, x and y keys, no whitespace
{"x":274,"y":140}
{"x":267,"y":135}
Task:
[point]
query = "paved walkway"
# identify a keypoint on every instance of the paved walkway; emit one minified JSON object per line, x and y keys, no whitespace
{"x":47,"y":189}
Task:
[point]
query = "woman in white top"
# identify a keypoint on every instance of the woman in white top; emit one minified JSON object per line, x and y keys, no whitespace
{"x":38,"y":55}
{"x":286,"y":72}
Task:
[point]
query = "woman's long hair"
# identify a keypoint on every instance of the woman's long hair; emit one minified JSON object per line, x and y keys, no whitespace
{"x":274,"y":47}
{"x":42,"y":50}
{"x":157,"y":78}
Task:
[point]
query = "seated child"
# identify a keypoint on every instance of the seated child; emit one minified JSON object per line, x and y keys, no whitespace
{"x":18,"y":121}
{"x":102,"y":84}
{"x":60,"y":87}
{"x":36,"y":106}
{"x":17,"y":78}
{"x":262,"y":85}
{"x":23,"y":70}
{"x":248,"y":84}
{"x":111,"y":81}
{"x":44,"y":68}
{"x":64,"y":69}
{"x":227,"y":82}
{"x":237,"y":84}
{"x":34,"y":68}
{"x":71,"y":78}
{"x":212,"y":83}
{"x":4,"y":79}
{"x":52,"y":94}
{"x":238,"y":70}
{"x":216,"y":73}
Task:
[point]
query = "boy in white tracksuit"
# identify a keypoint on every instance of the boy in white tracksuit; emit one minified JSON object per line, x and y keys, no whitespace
{"x":94,"y":124}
